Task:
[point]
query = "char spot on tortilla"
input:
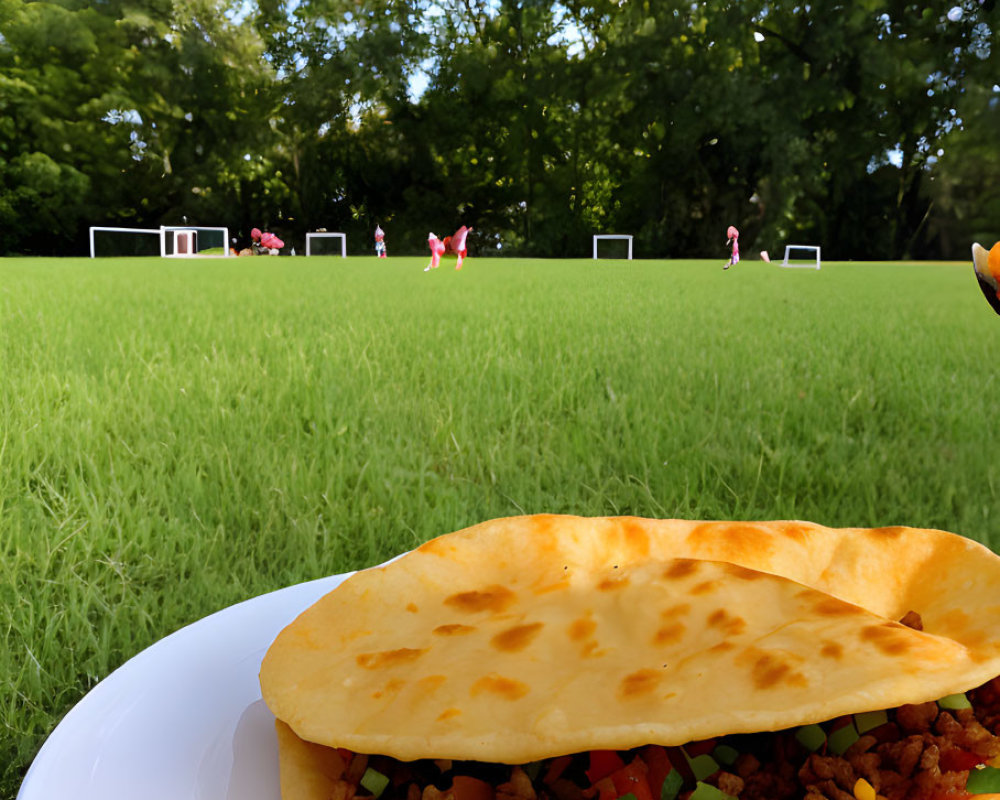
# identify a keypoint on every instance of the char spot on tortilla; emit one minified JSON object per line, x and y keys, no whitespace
{"x":412,"y":608}
{"x":675,"y":611}
{"x":580,"y":629}
{"x":797,"y":533}
{"x":722,"y":647}
{"x":448,"y":713}
{"x":455,"y":629}
{"x":389,"y":658}
{"x":704,"y":587}
{"x":610,"y":584}
{"x":548,"y":588}
{"x":507,"y":688}
{"x":832,"y":607}
{"x":431,"y":682}
{"x":493,"y":598}
{"x":391,"y":688}
{"x":832,"y":650}
{"x":743,"y":573}
{"x":670,"y":633}
{"x":590,"y":649}
{"x":681,"y":568}
{"x":722,"y":619}
{"x":734,"y":541}
{"x":891,"y":532}
{"x":770,"y":669}
{"x":641,"y":682}
{"x":636,"y":535}
{"x":890,"y":637}
{"x":517,"y":638}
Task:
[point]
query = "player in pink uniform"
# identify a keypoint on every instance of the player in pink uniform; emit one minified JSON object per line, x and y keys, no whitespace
{"x":451,"y":244}
{"x":734,"y":242}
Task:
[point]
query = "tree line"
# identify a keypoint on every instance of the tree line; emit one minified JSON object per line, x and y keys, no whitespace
{"x":867,"y":126}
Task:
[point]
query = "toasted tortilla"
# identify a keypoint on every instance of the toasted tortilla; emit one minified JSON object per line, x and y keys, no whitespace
{"x":529,"y":637}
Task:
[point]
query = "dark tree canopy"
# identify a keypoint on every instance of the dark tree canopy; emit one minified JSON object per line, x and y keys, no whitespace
{"x":869,"y":127}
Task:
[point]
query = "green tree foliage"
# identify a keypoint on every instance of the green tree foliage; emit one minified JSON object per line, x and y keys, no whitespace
{"x":863,"y":126}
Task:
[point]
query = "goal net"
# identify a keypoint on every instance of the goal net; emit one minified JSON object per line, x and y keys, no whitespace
{"x":120,"y":242}
{"x":321,"y":243}
{"x":186,"y":241}
{"x":801,"y":255}
{"x":167,"y":240}
{"x":612,"y":245}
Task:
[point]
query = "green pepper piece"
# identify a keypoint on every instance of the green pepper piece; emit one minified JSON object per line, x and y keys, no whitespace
{"x":953,"y":702}
{"x":705,"y":791}
{"x":374,"y":781}
{"x":702,"y":766}
{"x":811,"y":737}
{"x":672,"y":785}
{"x":725,"y":754}
{"x":628,"y":796}
{"x":983,"y":780}
{"x":870,"y":720}
{"x":842,"y":738}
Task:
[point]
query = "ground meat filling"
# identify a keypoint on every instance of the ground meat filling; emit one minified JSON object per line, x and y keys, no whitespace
{"x":916,"y":752}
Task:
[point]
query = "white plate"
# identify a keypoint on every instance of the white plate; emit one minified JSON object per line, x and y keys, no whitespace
{"x":182,"y":720}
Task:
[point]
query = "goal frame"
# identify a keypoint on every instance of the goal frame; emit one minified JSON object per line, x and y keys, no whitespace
{"x":810,"y":247}
{"x":111,"y":229}
{"x":175,"y":235}
{"x":621,"y":236}
{"x":327,"y":235}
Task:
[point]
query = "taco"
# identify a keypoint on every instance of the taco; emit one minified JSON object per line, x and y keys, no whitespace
{"x":567,"y":658}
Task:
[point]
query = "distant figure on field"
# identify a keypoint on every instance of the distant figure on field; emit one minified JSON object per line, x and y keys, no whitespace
{"x":734,"y":243}
{"x":987,"y":267}
{"x":379,"y":241}
{"x":450,"y":244}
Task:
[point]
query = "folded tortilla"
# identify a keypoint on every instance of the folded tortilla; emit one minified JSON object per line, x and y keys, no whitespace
{"x":530,"y":637}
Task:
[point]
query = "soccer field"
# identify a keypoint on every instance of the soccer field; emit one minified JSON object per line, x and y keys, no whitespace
{"x":177,"y":436}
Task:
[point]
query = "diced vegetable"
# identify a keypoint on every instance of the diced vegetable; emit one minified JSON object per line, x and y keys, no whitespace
{"x":983,"y":780}
{"x":374,"y":781}
{"x":465,"y":787}
{"x":864,"y":790}
{"x":672,"y":785}
{"x":705,"y":791}
{"x":632,"y":780}
{"x":870,"y":720}
{"x":602,"y":764}
{"x":703,"y":766}
{"x":725,"y":754}
{"x":959,"y":760}
{"x":811,"y":737}
{"x":842,"y":738}
{"x":556,"y":768}
{"x":953,"y":702}
{"x":659,"y":766}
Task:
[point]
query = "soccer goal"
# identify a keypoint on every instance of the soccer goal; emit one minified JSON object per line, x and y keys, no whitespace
{"x":187,"y":241}
{"x":110,"y":242}
{"x":614,"y":251}
{"x":165,"y":241}
{"x":320,"y":243}
{"x":792,"y":259}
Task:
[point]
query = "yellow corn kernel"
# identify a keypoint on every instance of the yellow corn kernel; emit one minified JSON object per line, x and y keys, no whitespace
{"x":864,"y":790}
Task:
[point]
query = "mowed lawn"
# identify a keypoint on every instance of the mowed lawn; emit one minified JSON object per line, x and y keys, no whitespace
{"x":177,"y":436}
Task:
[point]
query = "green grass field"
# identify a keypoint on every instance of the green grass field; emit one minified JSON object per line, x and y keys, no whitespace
{"x":177,"y":436}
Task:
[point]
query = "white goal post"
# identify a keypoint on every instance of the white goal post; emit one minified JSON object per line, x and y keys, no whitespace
{"x":189,"y":241}
{"x":325,"y":235}
{"x":811,"y":263}
{"x":622,"y":236}
{"x":95,"y":229}
{"x":173,"y":241}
